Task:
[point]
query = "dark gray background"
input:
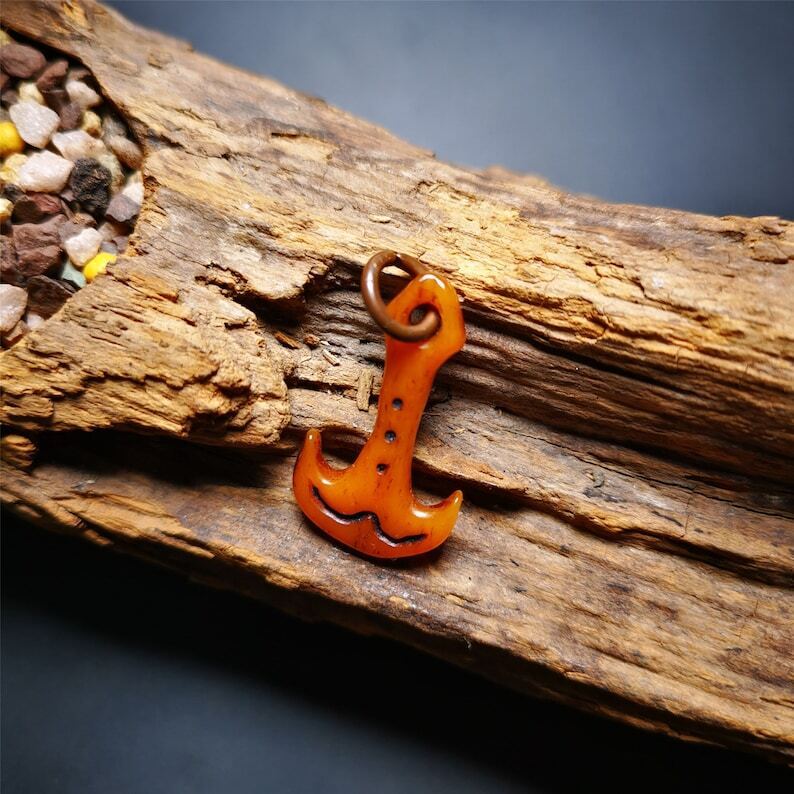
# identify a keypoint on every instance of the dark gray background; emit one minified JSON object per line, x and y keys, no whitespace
{"x":684,"y":105}
{"x":120,"y":678}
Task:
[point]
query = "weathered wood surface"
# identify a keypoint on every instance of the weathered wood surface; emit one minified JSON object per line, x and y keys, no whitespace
{"x":621,"y":419}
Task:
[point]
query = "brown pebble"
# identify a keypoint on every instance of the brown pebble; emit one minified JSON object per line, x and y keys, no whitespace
{"x":122,"y":209}
{"x":109,"y":247}
{"x":128,"y":152}
{"x":35,"y":235}
{"x":19,"y":60}
{"x":9,"y":267}
{"x":90,"y":183}
{"x":311,"y":341}
{"x":121,"y":242}
{"x":32,"y":207}
{"x":53,"y":75}
{"x":36,"y":261}
{"x":38,"y":246}
{"x":9,"y":97}
{"x":71,"y":115}
{"x":287,"y":340}
{"x":55,"y":98}
{"x":4,"y":79}
{"x":47,"y":295}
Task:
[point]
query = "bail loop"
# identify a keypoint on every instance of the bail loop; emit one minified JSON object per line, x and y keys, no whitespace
{"x":370,"y":291}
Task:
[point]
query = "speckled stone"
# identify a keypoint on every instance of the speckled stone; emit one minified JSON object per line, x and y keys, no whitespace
{"x":35,"y":123}
{"x":44,"y":172}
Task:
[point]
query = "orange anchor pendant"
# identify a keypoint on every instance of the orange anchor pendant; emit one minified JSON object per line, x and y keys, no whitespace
{"x":370,"y":505}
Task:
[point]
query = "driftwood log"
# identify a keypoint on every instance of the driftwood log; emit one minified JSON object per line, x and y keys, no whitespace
{"x":621,"y":419}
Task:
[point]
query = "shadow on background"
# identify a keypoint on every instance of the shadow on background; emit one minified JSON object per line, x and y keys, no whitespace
{"x":118,"y":677}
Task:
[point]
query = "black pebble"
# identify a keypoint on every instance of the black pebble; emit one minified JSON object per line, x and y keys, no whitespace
{"x":90,"y":184}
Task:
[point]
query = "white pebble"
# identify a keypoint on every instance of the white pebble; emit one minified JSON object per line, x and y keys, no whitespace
{"x":28,"y":92}
{"x":76,"y":144}
{"x":33,"y":321}
{"x":12,"y":306}
{"x":134,"y":191}
{"x":83,"y":246}
{"x":84,"y":95}
{"x":35,"y":123}
{"x":44,"y":172}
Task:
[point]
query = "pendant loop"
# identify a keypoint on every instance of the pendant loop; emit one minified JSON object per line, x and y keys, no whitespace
{"x":370,"y":291}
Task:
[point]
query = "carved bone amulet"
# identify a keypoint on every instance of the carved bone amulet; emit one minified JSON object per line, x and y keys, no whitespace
{"x":370,"y":505}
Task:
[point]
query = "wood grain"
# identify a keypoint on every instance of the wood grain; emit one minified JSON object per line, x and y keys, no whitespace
{"x":621,"y":419}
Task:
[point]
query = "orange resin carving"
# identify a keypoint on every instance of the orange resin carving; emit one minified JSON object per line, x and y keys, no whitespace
{"x":370,"y":505}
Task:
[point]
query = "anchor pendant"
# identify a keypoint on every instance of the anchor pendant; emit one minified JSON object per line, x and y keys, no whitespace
{"x":370,"y":505}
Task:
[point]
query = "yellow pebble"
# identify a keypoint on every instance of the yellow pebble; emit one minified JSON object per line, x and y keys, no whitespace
{"x":9,"y":173}
{"x":10,"y":142}
{"x":29,"y":92}
{"x":98,"y":265}
{"x":6,"y":208}
{"x":92,"y":124}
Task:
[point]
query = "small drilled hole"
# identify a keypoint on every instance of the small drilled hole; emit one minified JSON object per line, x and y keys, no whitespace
{"x":397,"y":404}
{"x":381,"y":467}
{"x":390,"y":435}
